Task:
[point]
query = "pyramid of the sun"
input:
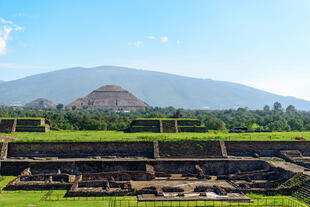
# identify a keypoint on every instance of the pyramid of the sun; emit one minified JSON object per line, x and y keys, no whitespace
{"x":110,"y":97}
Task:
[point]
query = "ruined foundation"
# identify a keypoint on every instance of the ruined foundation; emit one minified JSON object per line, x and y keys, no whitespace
{"x":160,"y":170}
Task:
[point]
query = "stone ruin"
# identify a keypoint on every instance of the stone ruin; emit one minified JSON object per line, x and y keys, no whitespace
{"x":166,"y":125}
{"x":109,"y":97}
{"x":8,"y":125}
{"x":161,"y":171}
{"x":41,"y":103}
{"x":246,"y":130}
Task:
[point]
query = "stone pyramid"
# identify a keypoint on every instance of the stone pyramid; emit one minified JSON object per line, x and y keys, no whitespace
{"x":110,"y":97}
{"x":41,"y":103}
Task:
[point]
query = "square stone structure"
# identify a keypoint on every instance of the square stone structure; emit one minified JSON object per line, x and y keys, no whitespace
{"x":8,"y":125}
{"x":166,"y":125}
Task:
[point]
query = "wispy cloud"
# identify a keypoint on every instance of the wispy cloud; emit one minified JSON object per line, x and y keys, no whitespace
{"x":6,"y":27}
{"x":136,"y":44}
{"x":178,"y":42}
{"x":151,"y":37}
{"x":164,"y":39}
{"x":19,"y":15}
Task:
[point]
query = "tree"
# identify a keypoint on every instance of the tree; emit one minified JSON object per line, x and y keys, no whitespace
{"x":266,"y":108}
{"x":178,"y":114}
{"x":73,"y":108}
{"x":59,"y":106}
{"x":279,"y":125}
{"x":307,"y":127}
{"x":277,"y":106}
{"x":291,"y":109}
{"x":296,"y":124}
{"x":253,"y":126}
{"x":215,"y":124}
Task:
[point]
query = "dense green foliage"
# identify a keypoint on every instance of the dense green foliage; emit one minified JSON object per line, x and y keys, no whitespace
{"x":276,"y":119}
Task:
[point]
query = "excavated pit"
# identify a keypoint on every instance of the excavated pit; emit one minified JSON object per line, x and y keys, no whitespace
{"x":156,"y":170}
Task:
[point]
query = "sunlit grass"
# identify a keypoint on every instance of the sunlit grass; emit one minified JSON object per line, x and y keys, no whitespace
{"x":72,"y":136}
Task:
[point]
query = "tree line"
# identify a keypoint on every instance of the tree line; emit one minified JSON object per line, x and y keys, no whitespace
{"x":274,"y":118}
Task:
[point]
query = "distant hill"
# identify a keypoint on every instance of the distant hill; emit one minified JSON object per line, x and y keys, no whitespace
{"x":109,"y":97}
{"x":154,"y":88}
{"x":41,"y":103}
{"x":1,"y":81}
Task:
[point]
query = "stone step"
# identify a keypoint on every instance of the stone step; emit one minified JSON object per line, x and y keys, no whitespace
{"x":223,"y":149}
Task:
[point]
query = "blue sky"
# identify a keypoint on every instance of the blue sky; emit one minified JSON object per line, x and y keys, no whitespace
{"x":261,"y":43}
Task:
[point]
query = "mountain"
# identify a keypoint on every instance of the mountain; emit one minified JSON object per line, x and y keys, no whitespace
{"x":41,"y":103}
{"x":155,"y":88}
{"x":1,"y":81}
{"x":109,"y":97}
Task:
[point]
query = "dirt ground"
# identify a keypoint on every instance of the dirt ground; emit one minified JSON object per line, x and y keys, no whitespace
{"x":188,"y":186}
{"x":4,"y":138}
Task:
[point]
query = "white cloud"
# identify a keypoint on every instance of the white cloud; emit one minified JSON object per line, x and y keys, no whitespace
{"x":178,"y":42}
{"x":6,"y":27}
{"x":164,"y":39}
{"x":151,"y":37}
{"x":136,"y":44}
{"x":19,"y":15}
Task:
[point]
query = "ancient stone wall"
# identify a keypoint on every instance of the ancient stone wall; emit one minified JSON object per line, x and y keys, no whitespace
{"x":7,"y":125}
{"x":33,"y":129}
{"x":210,"y":167}
{"x":189,"y":149}
{"x":265,"y":148}
{"x":80,"y":149}
{"x":30,"y":122}
{"x":145,"y":123}
{"x":192,"y":129}
{"x":3,"y":150}
{"x":169,"y":126}
{"x":166,"y":149}
{"x":144,"y":129}
{"x":189,"y":122}
{"x":166,"y":126}
{"x":23,"y":125}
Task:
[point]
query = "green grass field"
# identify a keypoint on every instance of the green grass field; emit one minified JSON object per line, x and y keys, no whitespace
{"x":57,"y":199}
{"x":73,"y":136}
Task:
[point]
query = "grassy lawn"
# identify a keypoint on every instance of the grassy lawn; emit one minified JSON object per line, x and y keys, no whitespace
{"x":121,"y":136}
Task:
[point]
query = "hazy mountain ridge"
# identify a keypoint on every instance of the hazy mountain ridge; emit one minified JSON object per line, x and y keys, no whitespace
{"x":154,"y":88}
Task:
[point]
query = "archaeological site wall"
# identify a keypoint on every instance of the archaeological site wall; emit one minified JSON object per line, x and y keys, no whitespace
{"x":30,"y":122}
{"x":8,"y":125}
{"x":80,"y":149}
{"x":189,"y":149}
{"x":134,"y":168}
{"x":210,"y":167}
{"x":265,"y":148}
{"x":157,"y":149}
{"x":166,"y":125}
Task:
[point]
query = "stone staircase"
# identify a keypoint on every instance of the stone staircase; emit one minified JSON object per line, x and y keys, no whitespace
{"x":303,"y":193}
{"x":156,"y":149}
{"x":223,"y":149}
{"x":3,"y":150}
{"x":168,"y":126}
